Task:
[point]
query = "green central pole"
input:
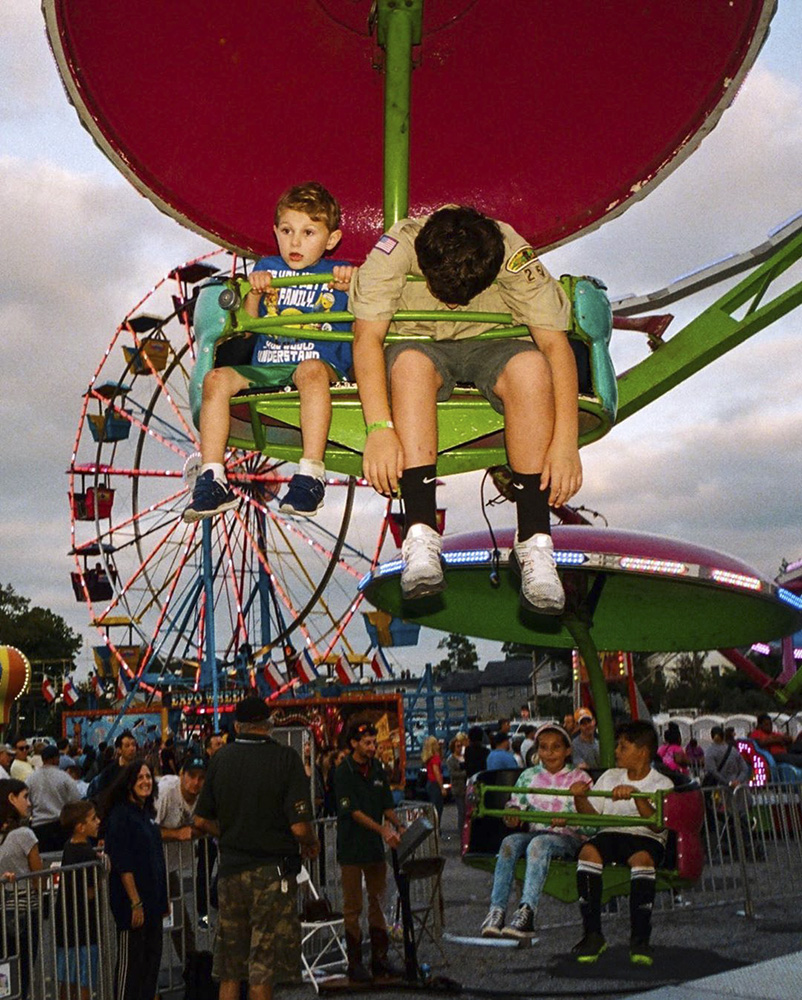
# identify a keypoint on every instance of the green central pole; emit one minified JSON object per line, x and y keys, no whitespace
{"x":399,"y":28}
{"x":598,"y":687}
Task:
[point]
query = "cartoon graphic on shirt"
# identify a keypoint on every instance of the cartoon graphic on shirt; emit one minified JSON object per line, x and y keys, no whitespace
{"x":297,"y":301}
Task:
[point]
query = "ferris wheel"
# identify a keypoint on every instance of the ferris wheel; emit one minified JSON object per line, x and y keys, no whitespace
{"x":170,"y":598}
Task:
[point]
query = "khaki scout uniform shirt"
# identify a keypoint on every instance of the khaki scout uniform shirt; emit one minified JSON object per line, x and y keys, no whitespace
{"x":523,"y":287}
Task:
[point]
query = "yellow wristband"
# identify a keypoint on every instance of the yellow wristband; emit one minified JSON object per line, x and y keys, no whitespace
{"x":379,"y":425}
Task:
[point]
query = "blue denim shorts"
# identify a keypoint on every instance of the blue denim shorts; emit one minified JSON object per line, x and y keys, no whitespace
{"x":73,"y":965}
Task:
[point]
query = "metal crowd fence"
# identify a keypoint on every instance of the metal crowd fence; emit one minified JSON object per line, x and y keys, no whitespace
{"x":55,"y":933}
{"x":58,"y":940}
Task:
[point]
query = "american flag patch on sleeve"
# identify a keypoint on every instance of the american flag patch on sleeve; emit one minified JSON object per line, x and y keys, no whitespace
{"x":386,"y":244}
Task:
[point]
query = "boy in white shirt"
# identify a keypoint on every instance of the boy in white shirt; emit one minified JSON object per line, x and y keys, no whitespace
{"x":640,"y":847}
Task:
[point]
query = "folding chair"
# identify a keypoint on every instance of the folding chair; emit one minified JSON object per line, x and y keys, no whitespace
{"x":322,"y":940}
{"x":427,"y":906}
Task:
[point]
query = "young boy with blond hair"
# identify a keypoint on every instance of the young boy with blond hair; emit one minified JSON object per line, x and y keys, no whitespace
{"x":306,"y":227}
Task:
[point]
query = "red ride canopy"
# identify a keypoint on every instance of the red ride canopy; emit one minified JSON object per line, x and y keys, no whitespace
{"x":550,"y":115}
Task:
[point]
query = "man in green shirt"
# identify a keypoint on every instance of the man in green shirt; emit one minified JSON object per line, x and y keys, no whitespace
{"x":367,"y":824}
{"x":256,"y":801}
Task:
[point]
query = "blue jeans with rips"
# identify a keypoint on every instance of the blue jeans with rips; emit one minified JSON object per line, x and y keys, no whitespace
{"x":540,"y":847}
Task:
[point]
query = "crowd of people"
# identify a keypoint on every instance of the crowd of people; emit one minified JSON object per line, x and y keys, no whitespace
{"x":146,"y":813}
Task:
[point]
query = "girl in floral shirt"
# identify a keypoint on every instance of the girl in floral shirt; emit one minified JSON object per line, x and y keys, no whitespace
{"x":541,"y":841}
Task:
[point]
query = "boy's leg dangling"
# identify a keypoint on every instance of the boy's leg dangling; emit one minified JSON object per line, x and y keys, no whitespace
{"x":541,"y":589}
{"x":422,"y":573}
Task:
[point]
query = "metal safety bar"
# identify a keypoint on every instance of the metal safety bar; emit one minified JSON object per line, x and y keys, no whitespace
{"x":579,"y":819}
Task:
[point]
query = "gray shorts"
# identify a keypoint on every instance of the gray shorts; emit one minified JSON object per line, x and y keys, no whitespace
{"x":479,"y":362}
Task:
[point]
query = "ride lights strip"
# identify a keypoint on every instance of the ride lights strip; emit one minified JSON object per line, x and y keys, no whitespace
{"x":566,"y":557}
{"x":730,"y":579}
{"x":790,"y":598}
{"x":639,"y":564}
{"x":761,"y":647}
{"x":760,"y":768}
{"x":470,"y":557}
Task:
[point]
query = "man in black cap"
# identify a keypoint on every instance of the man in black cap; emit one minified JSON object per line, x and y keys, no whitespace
{"x":366,"y":824}
{"x":51,"y":789}
{"x":256,"y":800}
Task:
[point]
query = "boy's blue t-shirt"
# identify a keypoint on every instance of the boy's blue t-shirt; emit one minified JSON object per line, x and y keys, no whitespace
{"x":305,"y":299}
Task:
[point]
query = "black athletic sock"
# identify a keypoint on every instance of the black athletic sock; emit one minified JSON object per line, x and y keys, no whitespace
{"x":532,"y":505}
{"x":419,"y":493}
{"x":589,"y":887}
{"x":641,"y":900}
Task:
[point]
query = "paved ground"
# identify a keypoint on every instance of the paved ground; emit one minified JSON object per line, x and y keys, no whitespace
{"x":714,"y":947}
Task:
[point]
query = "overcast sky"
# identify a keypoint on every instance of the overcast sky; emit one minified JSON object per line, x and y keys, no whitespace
{"x":717,"y":461}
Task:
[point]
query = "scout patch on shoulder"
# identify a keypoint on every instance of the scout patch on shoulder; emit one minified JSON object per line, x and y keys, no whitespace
{"x":521,"y":257}
{"x":386,"y":244}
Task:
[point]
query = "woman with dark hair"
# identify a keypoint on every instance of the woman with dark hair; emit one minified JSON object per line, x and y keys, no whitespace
{"x":670,"y":750}
{"x":19,"y":855}
{"x":138,"y":880}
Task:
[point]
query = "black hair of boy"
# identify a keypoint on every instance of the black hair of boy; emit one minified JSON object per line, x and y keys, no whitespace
{"x":639,"y":732}
{"x":74,"y":813}
{"x":460,"y":253}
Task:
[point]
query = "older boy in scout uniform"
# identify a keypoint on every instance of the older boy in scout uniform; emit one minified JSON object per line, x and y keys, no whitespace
{"x":469,"y":262}
{"x":366,"y":824}
{"x":256,"y":801}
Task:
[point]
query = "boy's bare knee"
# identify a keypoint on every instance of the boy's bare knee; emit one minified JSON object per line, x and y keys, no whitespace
{"x":589,"y":853}
{"x":413,"y":375}
{"x":222,"y":382}
{"x":313,"y":371}
{"x":640,"y":859}
{"x":527,"y":372}
{"x":411,"y":364}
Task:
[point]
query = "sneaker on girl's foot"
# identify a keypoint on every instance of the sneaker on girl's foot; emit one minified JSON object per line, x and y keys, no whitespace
{"x":522,"y":923}
{"x":493,"y":922}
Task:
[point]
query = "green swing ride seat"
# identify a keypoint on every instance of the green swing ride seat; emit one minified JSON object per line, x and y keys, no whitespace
{"x":469,"y":430}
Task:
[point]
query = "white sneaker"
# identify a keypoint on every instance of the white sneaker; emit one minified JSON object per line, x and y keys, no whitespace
{"x":422,"y":574}
{"x":541,"y":590}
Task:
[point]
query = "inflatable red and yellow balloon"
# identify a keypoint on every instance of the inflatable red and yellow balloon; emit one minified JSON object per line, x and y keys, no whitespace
{"x":15,"y":677}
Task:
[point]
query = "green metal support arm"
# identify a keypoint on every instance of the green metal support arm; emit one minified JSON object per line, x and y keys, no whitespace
{"x":713,"y":333}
